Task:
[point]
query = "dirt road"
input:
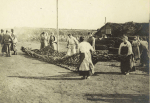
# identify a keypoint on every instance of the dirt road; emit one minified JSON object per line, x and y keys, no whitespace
{"x":26,"y":80}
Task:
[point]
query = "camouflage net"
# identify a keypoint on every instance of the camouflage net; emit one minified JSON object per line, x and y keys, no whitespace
{"x":70,"y":62}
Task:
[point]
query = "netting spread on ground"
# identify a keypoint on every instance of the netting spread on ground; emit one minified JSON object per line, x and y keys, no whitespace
{"x":47,"y":54}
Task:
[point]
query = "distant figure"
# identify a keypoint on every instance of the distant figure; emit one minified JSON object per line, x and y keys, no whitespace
{"x":46,"y":39}
{"x":72,"y":45}
{"x":86,"y":68}
{"x":14,"y":42}
{"x":144,"y":57}
{"x":42,"y":40}
{"x":1,"y":39}
{"x":91,"y":40}
{"x":135,"y":48}
{"x":125,"y":50}
{"x":7,"y":43}
{"x":53,"y":41}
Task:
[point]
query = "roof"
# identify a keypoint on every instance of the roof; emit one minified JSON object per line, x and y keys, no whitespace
{"x":128,"y":28}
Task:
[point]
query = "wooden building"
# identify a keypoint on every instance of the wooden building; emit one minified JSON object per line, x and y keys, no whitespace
{"x":119,"y":29}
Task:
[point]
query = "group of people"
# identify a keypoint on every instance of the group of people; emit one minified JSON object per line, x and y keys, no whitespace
{"x":46,"y":40}
{"x":131,"y":52}
{"x":8,"y":42}
{"x":84,"y":47}
{"x":72,"y":42}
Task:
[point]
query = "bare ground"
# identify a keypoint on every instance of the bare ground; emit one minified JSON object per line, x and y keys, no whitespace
{"x":26,"y":80}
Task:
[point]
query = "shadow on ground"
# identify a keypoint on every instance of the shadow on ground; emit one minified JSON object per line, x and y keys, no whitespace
{"x":118,"y":98}
{"x":63,"y":76}
{"x":109,"y":73}
{"x":46,"y":78}
{"x":68,"y":76}
{"x":112,"y":65}
{"x":140,"y":68}
{"x":143,"y":69}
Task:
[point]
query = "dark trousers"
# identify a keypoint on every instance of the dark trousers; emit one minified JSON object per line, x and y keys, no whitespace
{"x":127,"y":64}
{"x":85,"y":73}
{"x":6,"y":48}
{"x":144,"y":57}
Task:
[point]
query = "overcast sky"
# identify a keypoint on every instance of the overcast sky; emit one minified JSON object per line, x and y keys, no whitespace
{"x":75,"y":14}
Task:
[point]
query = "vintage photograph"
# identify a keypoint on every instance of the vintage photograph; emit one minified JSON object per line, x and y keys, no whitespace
{"x":74,"y":51}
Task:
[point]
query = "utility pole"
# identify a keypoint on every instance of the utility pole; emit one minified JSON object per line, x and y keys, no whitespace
{"x":57,"y":25}
{"x":105,"y":25}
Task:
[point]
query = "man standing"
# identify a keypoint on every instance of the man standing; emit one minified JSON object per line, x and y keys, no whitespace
{"x":7,"y":42}
{"x":53,"y":41}
{"x":1,"y":39}
{"x":91,"y":40}
{"x":72,"y":45}
{"x":14,"y":42}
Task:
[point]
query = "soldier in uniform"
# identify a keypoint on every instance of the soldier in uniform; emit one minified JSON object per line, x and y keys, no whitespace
{"x":1,"y":39}
{"x":7,"y":43}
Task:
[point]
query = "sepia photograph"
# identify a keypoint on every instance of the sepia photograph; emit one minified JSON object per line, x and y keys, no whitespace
{"x":74,"y":51}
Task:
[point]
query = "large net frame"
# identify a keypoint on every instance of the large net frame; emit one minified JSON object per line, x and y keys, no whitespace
{"x":48,"y":54}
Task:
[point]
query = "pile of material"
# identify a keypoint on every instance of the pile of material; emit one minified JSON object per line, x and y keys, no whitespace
{"x":70,"y":62}
{"x":49,"y":51}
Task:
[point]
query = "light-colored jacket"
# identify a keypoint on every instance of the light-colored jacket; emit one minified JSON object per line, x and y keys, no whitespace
{"x":72,"y":41}
{"x":128,"y":44}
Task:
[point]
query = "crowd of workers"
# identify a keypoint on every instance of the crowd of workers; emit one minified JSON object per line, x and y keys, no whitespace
{"x":46,"y":40}
{"x":130,"y":52}
{"x":8,"y":41}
